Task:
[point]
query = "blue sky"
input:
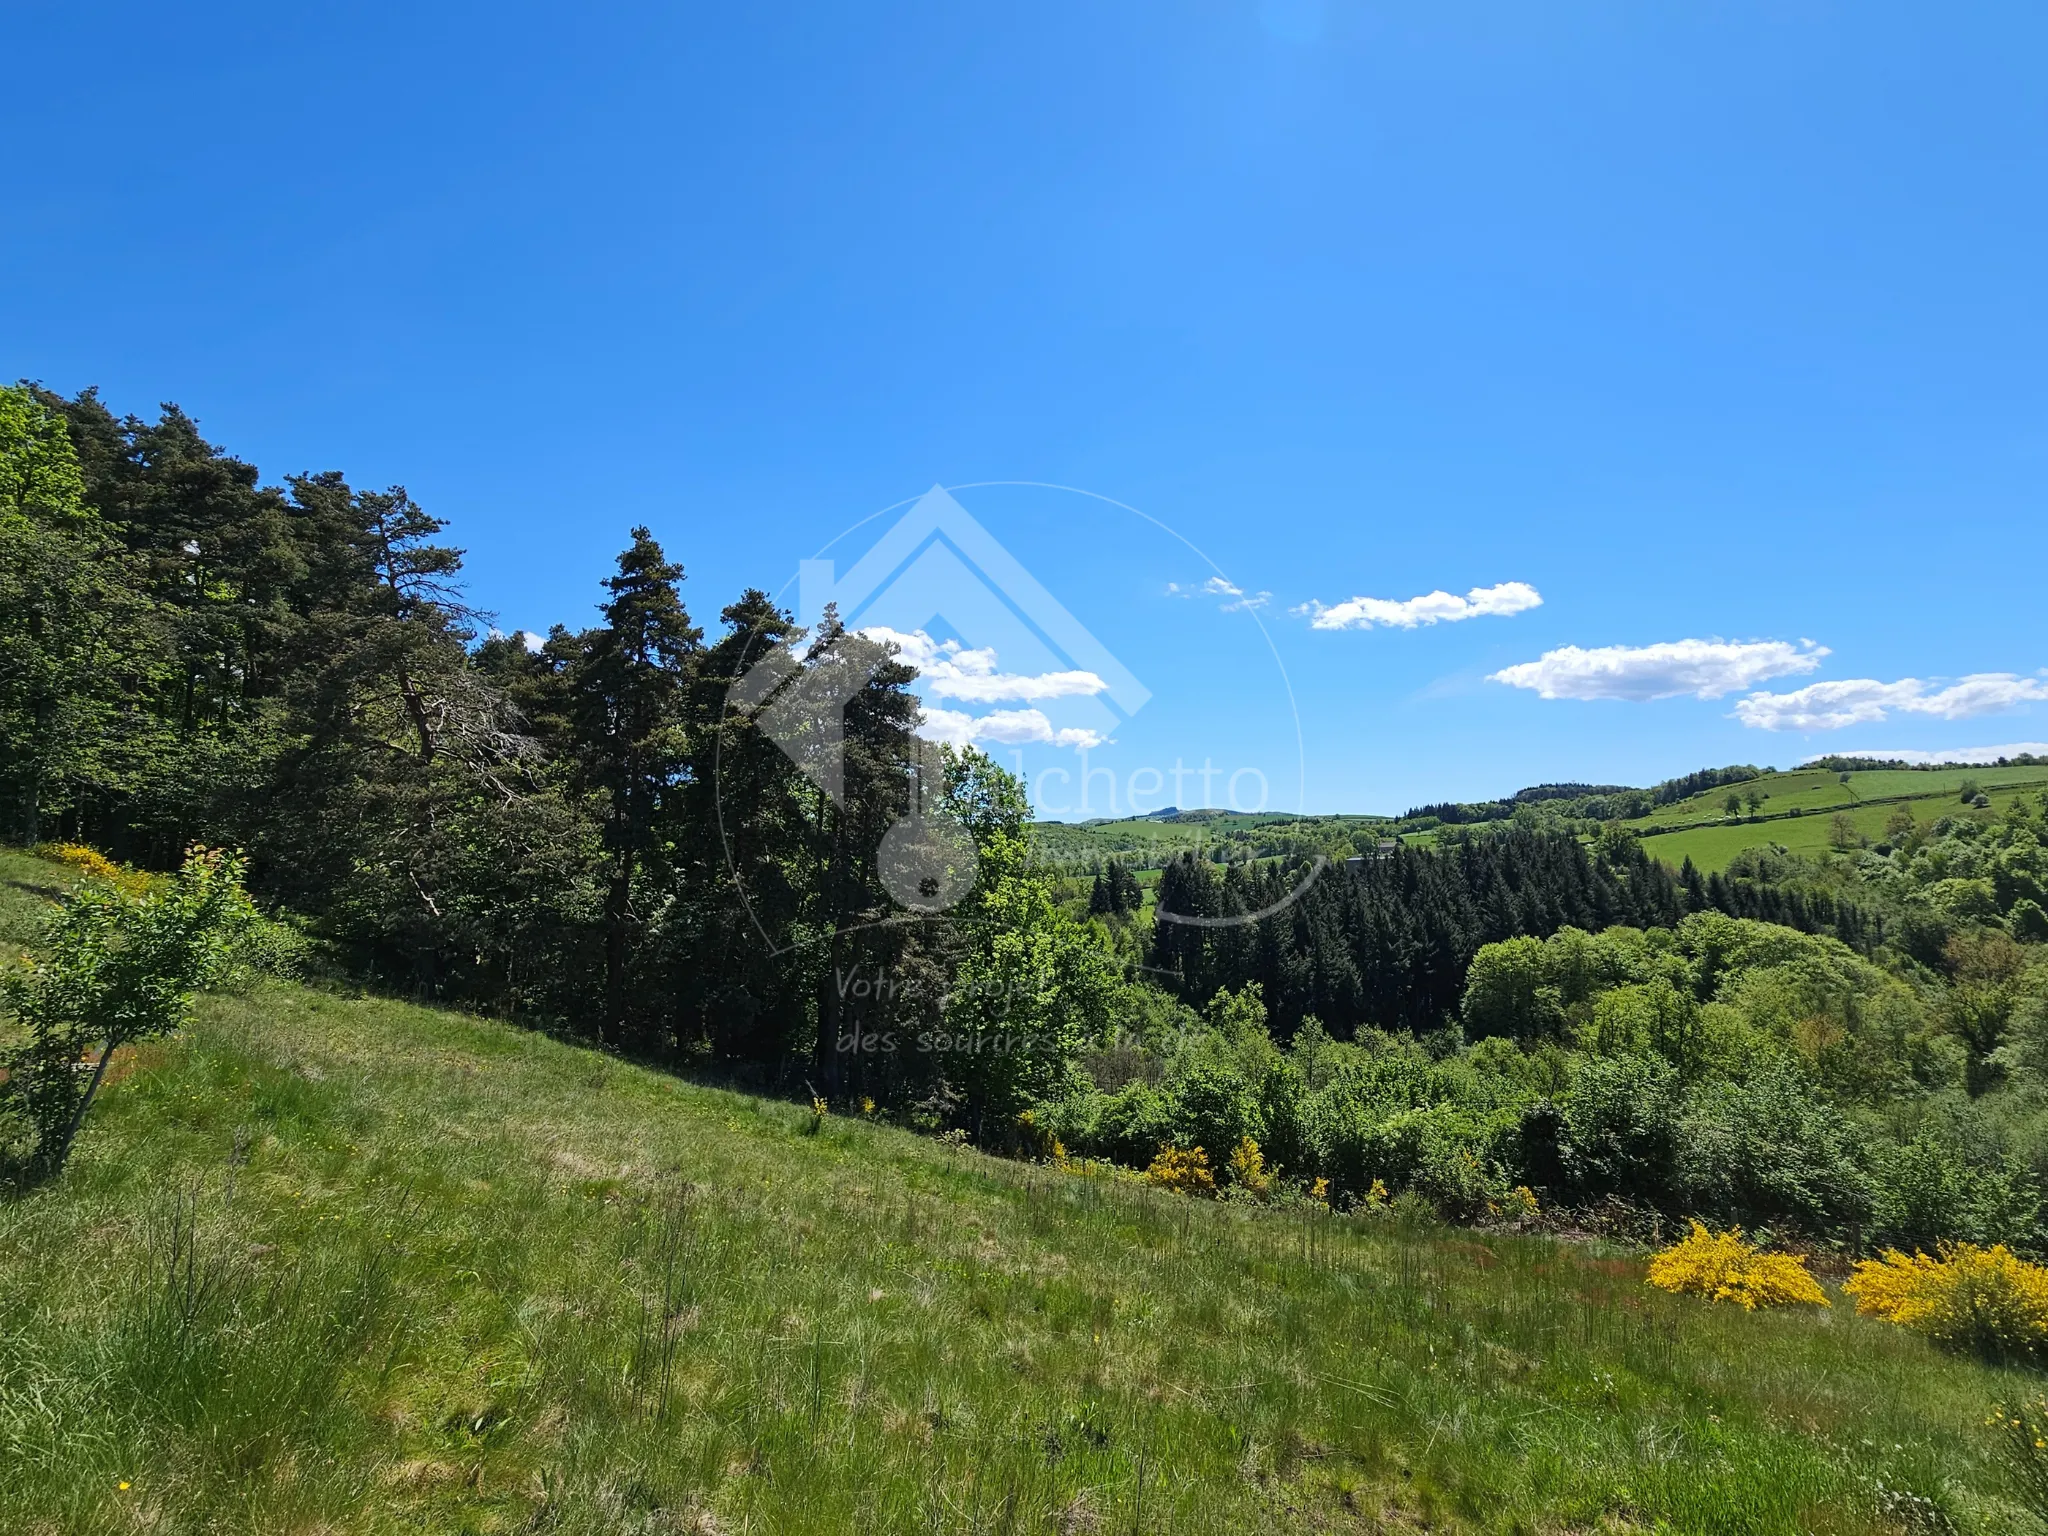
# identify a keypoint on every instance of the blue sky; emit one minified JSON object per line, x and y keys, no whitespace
{"x":1720,"y":325}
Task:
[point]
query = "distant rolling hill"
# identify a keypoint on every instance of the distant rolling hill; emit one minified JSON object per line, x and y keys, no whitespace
{"x":1798,"y":813}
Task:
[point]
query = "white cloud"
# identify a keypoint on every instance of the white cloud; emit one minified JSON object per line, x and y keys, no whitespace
{"x":1216,"y":586}
{"x":1826,"y":706}
{"x":1950,"y":755}
{"x":1981,"y":693}
{"x":1706,"y":669}
{"x":1865,"y":701}
{"x":1007,"y":727}
{"x":532,"y":641}
{"x":948,"y":671}
{"x":1508,"y":598}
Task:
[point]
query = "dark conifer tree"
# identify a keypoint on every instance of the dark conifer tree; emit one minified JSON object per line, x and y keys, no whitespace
{"x":628,"y":696}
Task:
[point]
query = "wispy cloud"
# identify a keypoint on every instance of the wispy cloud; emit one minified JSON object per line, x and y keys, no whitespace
{"x":1238,"y":599}
{"x":1508,"y":598}
{"x":1866,"y":701}
{"x":1706,"y":669}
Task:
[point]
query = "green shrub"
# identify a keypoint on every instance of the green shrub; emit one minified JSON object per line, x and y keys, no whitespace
{"x":1214,"y":1106}
{"x":1620,"y":1130}
{"x":1128,"y":1126}
{"x":1442,"y":1154}
{"x":120,"y":967}
{"x":1768,"y":1149}
{"x":1929,"y":1192}
{"x":1282,"y":1109}
{"x":1438,"y":1152}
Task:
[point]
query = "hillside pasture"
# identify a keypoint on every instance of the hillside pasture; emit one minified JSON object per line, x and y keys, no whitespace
{"x":342,"y":1264}
{"x":1811,"y":790}
{"x":1713,"y":848}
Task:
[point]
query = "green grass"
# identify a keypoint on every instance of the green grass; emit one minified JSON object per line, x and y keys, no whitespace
{"x":1153,"y":841}
{"x":331,"y":1264}
{"x":1811,"y":790}
{"x":1713,"y":848}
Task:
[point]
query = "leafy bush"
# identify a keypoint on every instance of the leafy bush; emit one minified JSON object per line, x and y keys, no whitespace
{"x":1127,"y":1126}
{"x":1438,"y":1152}
{"x":1986,"y":1300}
{"x":1621,"y":1126}
{"x":1768,"y":1149}
{"x":265,"y":947}
{"x":1215,"y":1106}
{"x":121,"y":967}
{"x":1930,"y":1190}
{"x":1723,"y":1267}
{"x":1282,"y":1110}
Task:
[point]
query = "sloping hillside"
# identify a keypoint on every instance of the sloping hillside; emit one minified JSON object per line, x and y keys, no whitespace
{"x":1797,"y":810}
{"x":340,"y":1264}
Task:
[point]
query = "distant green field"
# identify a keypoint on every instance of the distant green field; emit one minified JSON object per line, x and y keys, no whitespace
{"x":1153,"y":840}
{"x":1814,"y":789}
{"x":1708,"y":838}
{"x":1712,"y":848}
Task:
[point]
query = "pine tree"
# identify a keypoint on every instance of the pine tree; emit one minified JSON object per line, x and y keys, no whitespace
{"x":629,"y":691}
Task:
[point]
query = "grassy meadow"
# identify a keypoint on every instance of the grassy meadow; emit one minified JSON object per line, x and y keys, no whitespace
{"x":330,"y":1263}
{"x":1868,"y":800}
{"x":1816,"y":791}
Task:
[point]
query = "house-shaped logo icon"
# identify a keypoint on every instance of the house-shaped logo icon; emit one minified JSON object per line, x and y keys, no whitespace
{"x":940,"y":575}
{"x":939,"y":571}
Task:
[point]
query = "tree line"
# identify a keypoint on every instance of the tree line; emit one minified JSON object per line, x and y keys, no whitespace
{"x":1384,"y":942}
{"x":585,"y":833}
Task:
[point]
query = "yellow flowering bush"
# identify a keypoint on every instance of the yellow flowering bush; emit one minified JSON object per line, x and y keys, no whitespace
{"x":1184,"y":1170}
{"x":1248,"y":1168}
{"x":94,"y":865}
{"x":1519,"y":1202}
{"x":1986,"y":1299}
{"x":1722,"y":1267}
